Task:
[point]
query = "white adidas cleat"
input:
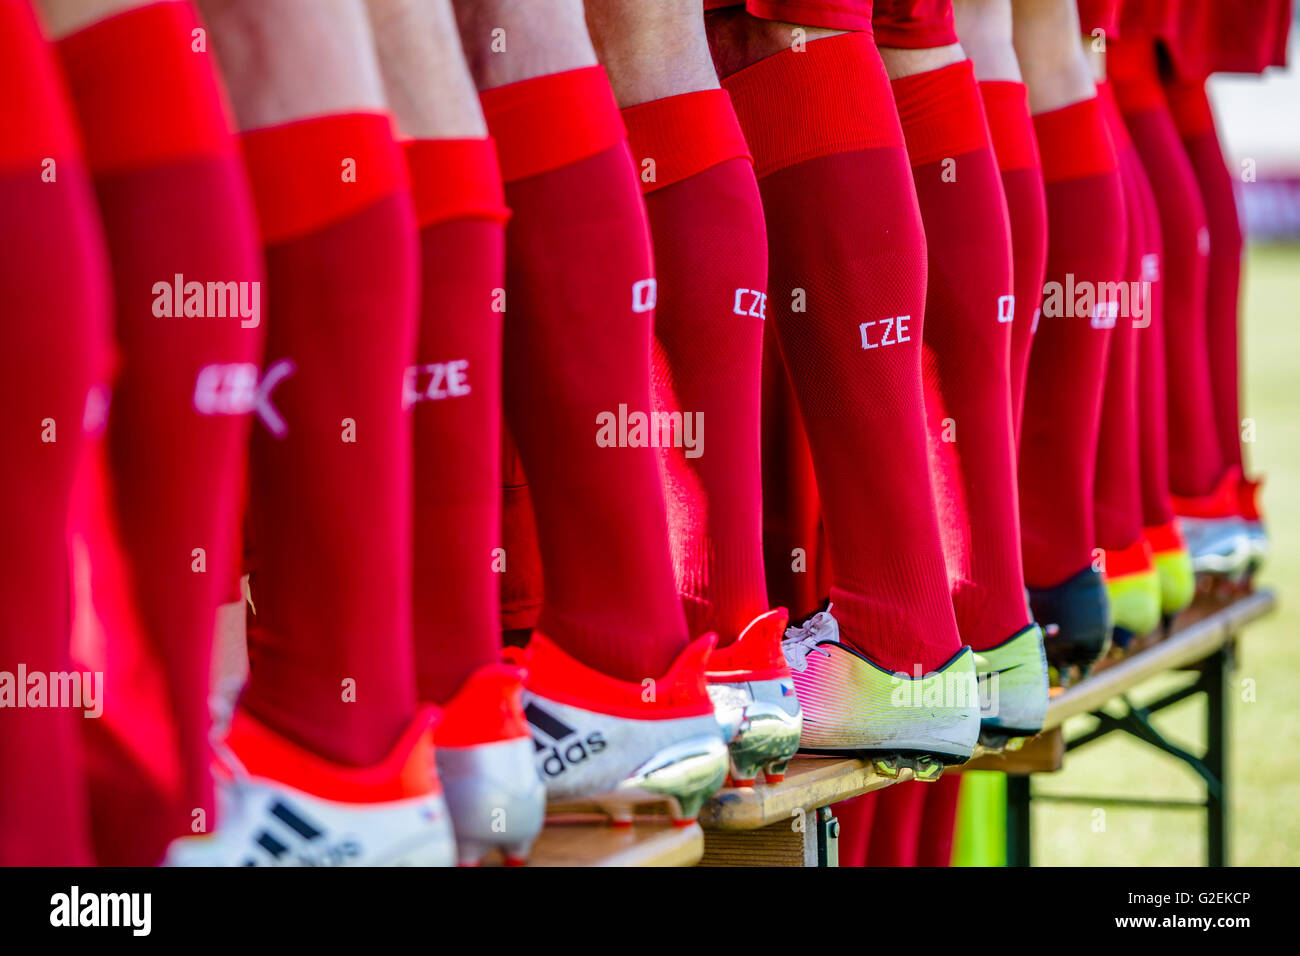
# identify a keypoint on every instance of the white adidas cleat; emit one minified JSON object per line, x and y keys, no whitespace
{"x":485,"y":763}
{"x":619,"y":744}
{"x":278,"y":805}
{"x":853,"y":706}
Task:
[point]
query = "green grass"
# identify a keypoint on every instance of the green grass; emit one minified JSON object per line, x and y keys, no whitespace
{"x":1265,"y":733}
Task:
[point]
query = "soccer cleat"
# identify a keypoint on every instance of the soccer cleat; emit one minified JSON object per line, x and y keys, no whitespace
{"x":1173,"y":567}
{"x":1133,"y":585}
{"x":851,"y":705}
{"x":279,"y":805}
{"x":1216,"y":533}
{"x":618,"y":743}
{"x":1013,"y":687}
{"x":485,"y":762}
{"x":1248,"y":499}
{"x":753,"y":695}
{"x":1080,"y":610}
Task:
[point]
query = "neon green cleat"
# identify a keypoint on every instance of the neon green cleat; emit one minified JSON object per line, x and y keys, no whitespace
{"x":1173,"y":567}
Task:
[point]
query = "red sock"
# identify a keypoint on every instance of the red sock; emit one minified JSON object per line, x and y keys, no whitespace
{"x":710,"y":248}
{"x":847,"y":269}
{"x":896,"y":828}
{"x":791,"y":507}
{"x":176,"y":209}
{"x":969,"y":312}
{"x":454,"y":391}
{"x":1118,"y":492}
{"x":54,"y":285}
{"x":939,"y":821}
{"x":330,"y":647}
{"x":1011,"y":127}
{"x":576,"y":349}
{"x":1195,"y":461}
{"x":1067,"y":365}
{"x":1152,"y":403}
{"x":1195,"y":123}
{"x":855,"y":817}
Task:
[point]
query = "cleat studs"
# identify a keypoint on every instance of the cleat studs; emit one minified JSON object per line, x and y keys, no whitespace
{"x":620,"y":814}
{"x":747,"y":782}
{"x":927,"y":769}
{"x":515,"y":860}
{"x":775,"y":771}
{"x":887,"y":767}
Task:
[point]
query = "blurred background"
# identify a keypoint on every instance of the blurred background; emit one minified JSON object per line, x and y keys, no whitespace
{"x":1259,"y":119}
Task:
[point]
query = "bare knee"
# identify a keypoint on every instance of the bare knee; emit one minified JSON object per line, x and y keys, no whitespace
{"x":651,"y":50}
{"x":288,"y":59}
{"x":985,"y":30}
{"x":510,"y":40}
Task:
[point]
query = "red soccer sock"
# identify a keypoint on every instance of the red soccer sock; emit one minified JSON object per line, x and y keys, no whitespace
{"x":710,"y":249}
{"x":1118,"y":492}
{"x":1195,"y":460}
{"x":1011,"y":127}
{"x":454,"y":391}
{"x":792,"y":554}
{"x":577,"y":368}
{"x":939,"y":821}
{"x":1067,"y":365}
{"x":1195,"y":123}
{"x":53,"y":282}
{"x":177,"y":214}
{"x":896,"y":827}
{"x":1152,"y":401}
{"x":330,"y":646}
{"x":969,"y":313}
{"x":847,"y":293}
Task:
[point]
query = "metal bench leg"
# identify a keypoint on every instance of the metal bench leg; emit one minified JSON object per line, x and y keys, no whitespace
{"x":1214,"y":677}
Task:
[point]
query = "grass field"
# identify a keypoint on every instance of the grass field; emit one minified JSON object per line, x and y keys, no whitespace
{"x":1265,"y":732}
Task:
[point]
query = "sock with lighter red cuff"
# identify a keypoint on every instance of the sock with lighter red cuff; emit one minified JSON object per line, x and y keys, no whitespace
{"x":1195,"y":458}
{"x":847,"y":293}
{"x":187,"y":276}
{"x":1006,"y":104}
{"x":330,"y":643}
{"x":577,"y":371}
{"x":969,"y":313}
{"x":454,"y":392}
{"x":1067,"y":365}
{"x":54,"y":284}
{"x":1118,"y":493}
{"x":1195,"y":124}
{"x":710,"y":248}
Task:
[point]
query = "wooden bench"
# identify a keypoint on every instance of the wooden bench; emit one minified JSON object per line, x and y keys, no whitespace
{"x":790,"y":823}
{"x":589,"y":840}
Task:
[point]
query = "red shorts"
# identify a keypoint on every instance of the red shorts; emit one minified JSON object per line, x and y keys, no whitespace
{"x":1099,"y":15}
{"x":914,"y":24}
{"x":1237,"y":36}
{"x":827,"y":14}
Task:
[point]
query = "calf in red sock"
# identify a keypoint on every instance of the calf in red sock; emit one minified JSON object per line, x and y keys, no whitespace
{"x":189,"y":333}
{"x":847,"y":295}
{"x":1067,"y":363}
{"x":578,"y":401}
{"x":333,"y":759}
{"x":54,"y":284}
{"x":970,"y":309}
{"x":485,"y":756}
